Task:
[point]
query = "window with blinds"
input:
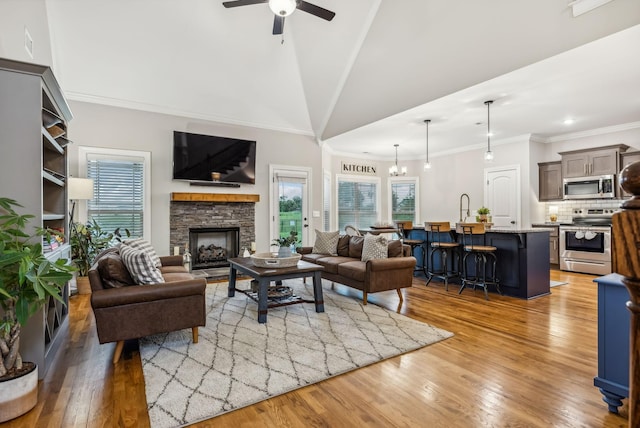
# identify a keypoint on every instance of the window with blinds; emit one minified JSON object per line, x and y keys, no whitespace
{"x":357,"y":203}
{"x":326,"y":202}
{"x":403,"y":201}
{"x":118,"y":187}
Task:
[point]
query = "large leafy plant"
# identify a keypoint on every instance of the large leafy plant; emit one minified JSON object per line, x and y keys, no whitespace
{"x":27,"y":280}
{"x":87,"y":241}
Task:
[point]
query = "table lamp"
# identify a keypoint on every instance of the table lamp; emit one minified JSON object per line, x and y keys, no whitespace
{"x":553,"y":213}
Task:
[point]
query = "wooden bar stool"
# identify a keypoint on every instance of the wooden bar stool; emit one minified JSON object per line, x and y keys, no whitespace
{"x":447,"y":250}
{"x":479,"y":254}
{"x":404,"y":227}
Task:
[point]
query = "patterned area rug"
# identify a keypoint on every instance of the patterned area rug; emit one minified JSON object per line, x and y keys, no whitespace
{"x":238,"y":361}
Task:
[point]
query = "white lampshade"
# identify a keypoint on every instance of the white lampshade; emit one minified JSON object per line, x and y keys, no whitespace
{"x":282,"y":7}
{"x":80,"y":188}
{"x":553,"y":209}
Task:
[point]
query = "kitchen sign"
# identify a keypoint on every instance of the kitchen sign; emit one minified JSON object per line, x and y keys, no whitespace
{"x":357,"y":168}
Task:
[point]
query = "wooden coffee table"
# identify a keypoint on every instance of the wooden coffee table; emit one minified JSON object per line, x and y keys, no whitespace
{"x":264,"y":276}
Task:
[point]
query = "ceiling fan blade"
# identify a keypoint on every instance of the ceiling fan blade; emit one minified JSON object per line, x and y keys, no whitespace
{"x":315,"y":10}
{"x":278,"y":24}
{"x":237,"y":3}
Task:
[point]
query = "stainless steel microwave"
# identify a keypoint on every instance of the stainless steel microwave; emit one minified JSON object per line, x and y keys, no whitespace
{"x":596,"y":187}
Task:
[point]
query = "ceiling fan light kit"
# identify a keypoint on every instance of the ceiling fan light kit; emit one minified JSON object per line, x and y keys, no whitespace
{"x":282,"y":8}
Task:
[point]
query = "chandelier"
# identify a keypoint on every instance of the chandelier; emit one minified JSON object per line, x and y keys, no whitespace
{"x":393,"y":170}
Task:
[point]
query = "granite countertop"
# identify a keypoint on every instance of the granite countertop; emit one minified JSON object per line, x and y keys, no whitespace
{"x":547,"y":227}
{"x":521,"y":230}
{"x":547,"y":224}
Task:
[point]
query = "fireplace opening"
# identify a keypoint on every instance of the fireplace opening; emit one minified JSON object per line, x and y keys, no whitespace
{"x":212,"y":246}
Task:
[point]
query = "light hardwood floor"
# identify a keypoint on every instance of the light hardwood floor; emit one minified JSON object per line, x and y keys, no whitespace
{"x":511,"y":363}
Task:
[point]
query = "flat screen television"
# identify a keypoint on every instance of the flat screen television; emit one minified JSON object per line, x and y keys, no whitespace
{"x":208,"y":158}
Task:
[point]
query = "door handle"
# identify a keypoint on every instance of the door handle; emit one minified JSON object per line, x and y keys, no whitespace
{"x":513,"y":222}
{"x":305,"y":225}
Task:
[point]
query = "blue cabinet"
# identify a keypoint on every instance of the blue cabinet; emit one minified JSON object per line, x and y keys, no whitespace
{"x":614,"y":320}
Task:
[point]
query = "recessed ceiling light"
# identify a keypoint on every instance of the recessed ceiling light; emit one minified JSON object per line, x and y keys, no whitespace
{"x":569,"y":121}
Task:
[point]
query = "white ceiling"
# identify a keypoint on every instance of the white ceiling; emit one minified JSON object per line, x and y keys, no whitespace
{"x":365,"y":80}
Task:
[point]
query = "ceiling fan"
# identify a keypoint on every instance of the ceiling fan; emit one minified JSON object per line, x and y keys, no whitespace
{"x":283,"y":8}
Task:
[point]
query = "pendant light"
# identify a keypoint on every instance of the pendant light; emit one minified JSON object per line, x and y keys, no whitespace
{"x":393,"y":170}
{"x":427,"y":164}
{"x":488,"y":155}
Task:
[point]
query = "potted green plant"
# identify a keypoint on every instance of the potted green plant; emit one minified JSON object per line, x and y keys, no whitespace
{"x":286,"y":244}
{"x":483,"y":213}
{"x":27,"y":281}
{"x":87,"y":241}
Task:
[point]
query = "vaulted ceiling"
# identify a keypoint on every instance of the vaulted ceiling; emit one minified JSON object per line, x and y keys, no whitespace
{"x":367,"y":79}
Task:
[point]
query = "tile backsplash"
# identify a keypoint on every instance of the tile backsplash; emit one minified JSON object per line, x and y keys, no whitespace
{"x":565,"y":208}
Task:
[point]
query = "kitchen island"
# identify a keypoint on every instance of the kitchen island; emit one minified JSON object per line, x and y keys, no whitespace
{"x":523,"y":258}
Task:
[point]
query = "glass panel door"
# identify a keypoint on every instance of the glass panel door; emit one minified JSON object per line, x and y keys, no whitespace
{"x":291,"y":204}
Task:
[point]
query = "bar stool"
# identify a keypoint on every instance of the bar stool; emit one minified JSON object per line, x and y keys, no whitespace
{"x":479,"y":253}
{"x":447,"y":250}
{"x":403,"y":230}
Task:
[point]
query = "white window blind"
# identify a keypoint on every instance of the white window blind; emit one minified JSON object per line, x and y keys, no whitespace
{"x":326,"y":202}
{"x":118,"y":187}
{"x":357,"y":203}
{"x":403,"y":201}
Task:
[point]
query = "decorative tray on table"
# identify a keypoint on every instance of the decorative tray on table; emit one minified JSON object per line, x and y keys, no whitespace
{"x":271,"y":260}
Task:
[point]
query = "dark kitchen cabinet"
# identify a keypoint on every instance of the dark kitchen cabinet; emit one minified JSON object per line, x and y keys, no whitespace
{"x":554,"y":244}
{"x":591,"y":162}
{"x":550,"y":181}
{"x":626,"y":159}
{"x":614,"y":321}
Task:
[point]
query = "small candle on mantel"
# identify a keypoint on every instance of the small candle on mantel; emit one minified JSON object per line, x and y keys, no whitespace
{"x":253,"y":247}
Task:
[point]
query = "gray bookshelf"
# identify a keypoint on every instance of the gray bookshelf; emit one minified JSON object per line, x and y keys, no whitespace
{"x":33,"y":170}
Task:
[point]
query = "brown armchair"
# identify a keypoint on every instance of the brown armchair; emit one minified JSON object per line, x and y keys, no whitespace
{"x":134,"y":311}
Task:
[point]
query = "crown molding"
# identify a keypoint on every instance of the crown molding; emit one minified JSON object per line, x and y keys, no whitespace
{"x":593,"y":132}
{"x":154,"y":108}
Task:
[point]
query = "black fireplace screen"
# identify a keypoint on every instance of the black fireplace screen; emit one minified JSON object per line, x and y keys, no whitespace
{"x":211,"y":247}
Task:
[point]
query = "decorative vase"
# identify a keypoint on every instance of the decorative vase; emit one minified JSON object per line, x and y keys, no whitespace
{"x":18,"y":395}
{"x":483,"y":218}
{"x":83,"y":285}
{"x":284,"y":252}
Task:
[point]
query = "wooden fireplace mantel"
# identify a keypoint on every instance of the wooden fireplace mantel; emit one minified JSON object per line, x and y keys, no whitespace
{"x":214,"y":197}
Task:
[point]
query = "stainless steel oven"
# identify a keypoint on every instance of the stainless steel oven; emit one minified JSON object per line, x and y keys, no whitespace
{"x":585,"y":245}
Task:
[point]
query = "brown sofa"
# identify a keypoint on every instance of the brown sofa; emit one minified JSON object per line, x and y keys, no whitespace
{"x":392,"y":273}
{"x":126,"y":311}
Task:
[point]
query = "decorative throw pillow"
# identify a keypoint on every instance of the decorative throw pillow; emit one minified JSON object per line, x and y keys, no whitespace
{"x":326,"y":243}
{"x":374,"y":247}
{"x":343,"y":245}
{"x":141,"y":244}
{"x":140,"y":266}
{"x":355,"y":246}
{"x":113,"y":272}
{"x":394,"y":248}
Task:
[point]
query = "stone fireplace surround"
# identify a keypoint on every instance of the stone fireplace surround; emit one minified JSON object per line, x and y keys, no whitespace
{"x":211,"y":210}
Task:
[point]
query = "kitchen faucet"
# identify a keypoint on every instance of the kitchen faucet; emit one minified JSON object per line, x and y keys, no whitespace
{"x":468,"y":203}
